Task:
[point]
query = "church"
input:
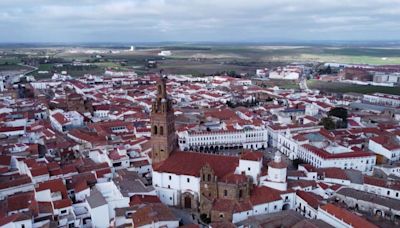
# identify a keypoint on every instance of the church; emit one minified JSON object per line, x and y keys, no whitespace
{"x":222,"y":188}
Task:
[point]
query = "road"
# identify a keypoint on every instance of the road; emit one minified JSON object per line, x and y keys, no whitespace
{"x":186,"y":217}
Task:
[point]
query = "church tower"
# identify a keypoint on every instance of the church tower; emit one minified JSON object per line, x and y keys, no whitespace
{"x":163,"y":138}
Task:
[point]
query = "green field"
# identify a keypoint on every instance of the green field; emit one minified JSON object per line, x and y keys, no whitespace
{"x":202,"y":59}
{"x":339,"y":87}
{"x":13,"y":67}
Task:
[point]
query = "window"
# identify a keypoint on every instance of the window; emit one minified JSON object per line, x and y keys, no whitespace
{"x":275,"y":207}
{"x":397,"y":194}
{"x":221,"y":215}
{"x":240,"y":193}
{"x":388,"y":192}
{"x":208,"y":177}
{"x":155,"y":130}
{"x":225,"y":192}
{"x":248,"y":168}
{"x":188,"y":180}
{"x":169,"y":186}
{"x":161,"y":130}
{"x":170,"y":177}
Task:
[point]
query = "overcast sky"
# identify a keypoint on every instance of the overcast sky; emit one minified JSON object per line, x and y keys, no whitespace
{"x":197,"y":20}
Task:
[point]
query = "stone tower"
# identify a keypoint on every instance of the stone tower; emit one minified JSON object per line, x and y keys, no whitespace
{"x":163,"y":138}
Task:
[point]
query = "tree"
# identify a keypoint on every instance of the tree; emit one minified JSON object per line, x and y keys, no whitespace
{"x":328,"y":70}
{"x":341,"y":113}
{"x":296,"y":162}
{"x":338,"y":112}
{"x":328,"y":123}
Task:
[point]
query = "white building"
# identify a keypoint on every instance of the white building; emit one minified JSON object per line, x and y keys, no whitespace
{"x":63,"y":121}
{"x":385,"y":146}
{"x":287,"y":73}
{"x":324,"y":158}
{"x":341,"y":218}
{"x":247,"y":138}
{"x":382,"y":99}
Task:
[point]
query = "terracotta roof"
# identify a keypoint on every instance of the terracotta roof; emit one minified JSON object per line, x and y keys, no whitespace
{"x":102,"y":172}
{"x":143,"y":199}
{"x":190,"y":163}
{"x":5,"y":160}
{"x":251,"y":155}
{"x":60,"y":118}
{"x":335,"y":173}
{"x":277,"y":165}
{"x":20,"y":201}
{"x":10,"y":129}
{"x":224,"y":205}
{"x":347,"y":217}
{"x":312,"y":199}
{"x":56,"y":185}
{"x":62,"y":203}
{"x":326,"y":155}
{"x":261,"y":195}
{"x":382,"y":182}
{"x":152,"y":213}
{"x":39,"y":171}
{"x":45,"y":207}
{"x":14,"y":181}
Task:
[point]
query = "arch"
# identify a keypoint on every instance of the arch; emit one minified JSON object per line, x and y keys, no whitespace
{"x":285,"y":206}
{"x":188,"y":201}
{"x":209,"y":177}
{"x":155,"y":130}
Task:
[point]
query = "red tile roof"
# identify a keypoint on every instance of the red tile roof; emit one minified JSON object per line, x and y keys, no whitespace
{"x":60,"y":118}
{"x":347,"y":217}
{"x":56,"y":185}
{"x":143,"y":199}
{"x":16,"y":181}
{"x":251,"y":155}
{"x":326,"y":155}
{"x":312,"y":199}
{"x":190,"y":163}
{"x":5,"y":160}
{"x":261,"y":195}
{"x":39,"y":171}
{"x":62,"y":203}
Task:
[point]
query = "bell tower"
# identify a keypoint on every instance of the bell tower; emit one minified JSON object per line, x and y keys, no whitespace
{"x":163,"y":138}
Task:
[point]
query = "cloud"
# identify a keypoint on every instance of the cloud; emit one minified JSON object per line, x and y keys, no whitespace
{"x":197,"y":20}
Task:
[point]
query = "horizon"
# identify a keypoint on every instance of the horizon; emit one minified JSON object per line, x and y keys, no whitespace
{"x":154,"y":21}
